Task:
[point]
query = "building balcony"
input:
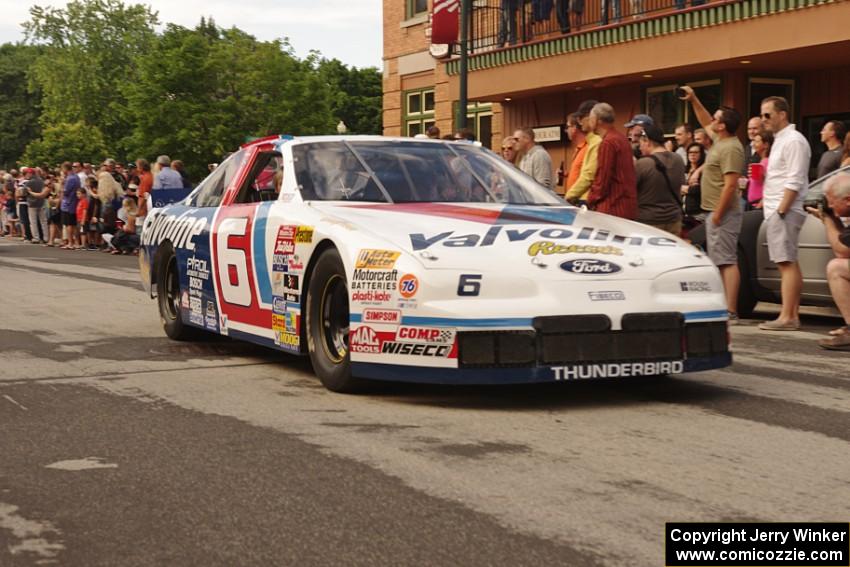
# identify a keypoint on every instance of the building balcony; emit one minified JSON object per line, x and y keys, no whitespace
{"x":504,"y":32}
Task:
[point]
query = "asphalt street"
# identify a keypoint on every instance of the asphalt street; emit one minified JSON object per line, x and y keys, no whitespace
{"x":120,"y":447}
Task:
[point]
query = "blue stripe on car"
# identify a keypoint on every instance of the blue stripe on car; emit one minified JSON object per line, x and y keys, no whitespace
{"x":260,"y":258}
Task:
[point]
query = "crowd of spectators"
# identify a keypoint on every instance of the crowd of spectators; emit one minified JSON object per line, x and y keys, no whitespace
{"x":704,"y":176}
{"x":75,"y":207}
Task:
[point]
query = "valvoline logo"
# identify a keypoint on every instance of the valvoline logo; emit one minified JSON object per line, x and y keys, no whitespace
{"x":590,"y":266}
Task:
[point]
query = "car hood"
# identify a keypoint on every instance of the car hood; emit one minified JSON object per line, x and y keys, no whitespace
{"x":521,"y":239}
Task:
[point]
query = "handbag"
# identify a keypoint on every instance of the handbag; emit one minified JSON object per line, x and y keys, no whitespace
{"x":660,"y":167}
{"x":693,"y":200}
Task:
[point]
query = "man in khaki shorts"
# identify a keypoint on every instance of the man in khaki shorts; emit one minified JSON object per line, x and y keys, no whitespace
{"x":723,"y":166}
{"x":786,"y":184}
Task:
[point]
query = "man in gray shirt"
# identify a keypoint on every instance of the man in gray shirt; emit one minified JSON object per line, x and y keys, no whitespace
{"x":832,"y":134}
{"x":660,"y":176}
{"x":535,"y":160}
{"x":36,"y":193}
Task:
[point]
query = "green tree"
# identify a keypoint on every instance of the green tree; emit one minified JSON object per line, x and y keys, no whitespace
{"x":19,"y":108}
{"x":75,"y":141}
{"x":356,"y":95}
{"x":90,"y":52}
{"x":202,"y":92}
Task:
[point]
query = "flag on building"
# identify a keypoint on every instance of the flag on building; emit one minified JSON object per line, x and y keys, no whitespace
{"x":445,"y":21}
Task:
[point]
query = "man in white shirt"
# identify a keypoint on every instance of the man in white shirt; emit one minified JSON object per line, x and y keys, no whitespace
{"x":785,"y":187}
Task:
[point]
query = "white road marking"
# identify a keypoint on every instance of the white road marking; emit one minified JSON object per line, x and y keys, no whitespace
{"x":12,"y":400}
{"x":32,"y":536}
{"x":88,"y":463}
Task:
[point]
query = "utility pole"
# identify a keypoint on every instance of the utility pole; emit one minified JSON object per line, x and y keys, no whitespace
{"x":465,"y":14}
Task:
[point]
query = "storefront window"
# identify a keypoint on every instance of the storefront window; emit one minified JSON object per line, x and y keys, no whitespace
{"x":416,"y":7}
{"x":479,"y":119}
{"x":760,"y":88}
{"x":418,"y":111}
{"x":665,"y":107}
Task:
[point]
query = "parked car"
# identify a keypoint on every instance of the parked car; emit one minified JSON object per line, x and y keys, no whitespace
{"x":760,"y":280}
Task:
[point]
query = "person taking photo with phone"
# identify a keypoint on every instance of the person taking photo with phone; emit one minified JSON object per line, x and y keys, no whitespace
{"x":719,"y":189}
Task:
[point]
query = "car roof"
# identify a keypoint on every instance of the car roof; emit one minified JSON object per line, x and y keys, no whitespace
{"x":283,"y":139}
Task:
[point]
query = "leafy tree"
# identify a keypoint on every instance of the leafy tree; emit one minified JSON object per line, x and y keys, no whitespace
{"x":202,"y":92}
{"x":90,"y":50}
{"x":19,"y":108}
{"x":355,"y":94}
{"x":75,"y":141}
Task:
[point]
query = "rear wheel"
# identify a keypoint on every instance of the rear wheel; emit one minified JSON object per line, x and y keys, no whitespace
{"x":168,"y":298}
{"x":328,"y":324}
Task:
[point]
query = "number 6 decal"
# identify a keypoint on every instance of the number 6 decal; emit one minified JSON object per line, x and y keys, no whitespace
{"x":232,"y":263}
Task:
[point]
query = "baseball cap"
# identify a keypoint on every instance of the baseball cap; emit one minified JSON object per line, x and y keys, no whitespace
{"x":640,"y":119}
{"x":654,"y":133}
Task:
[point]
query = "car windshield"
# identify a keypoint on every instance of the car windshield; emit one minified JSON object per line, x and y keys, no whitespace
{"x":411,"y":172}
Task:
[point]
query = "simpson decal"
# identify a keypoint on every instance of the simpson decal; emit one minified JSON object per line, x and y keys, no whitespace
{"x":386,"y":316}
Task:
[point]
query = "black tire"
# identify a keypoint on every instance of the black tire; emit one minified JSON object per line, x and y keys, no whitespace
{"x":747,"y":299}
{"x":327,"y":324}
{"x":168,"y":299}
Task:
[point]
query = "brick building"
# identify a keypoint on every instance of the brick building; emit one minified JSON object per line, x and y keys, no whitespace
{"x":526,"y":69}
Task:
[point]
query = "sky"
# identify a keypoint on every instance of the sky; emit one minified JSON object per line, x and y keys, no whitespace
{"x":348,"y":30}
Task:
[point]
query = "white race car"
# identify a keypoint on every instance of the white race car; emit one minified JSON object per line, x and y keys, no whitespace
{"x":426,"y":261}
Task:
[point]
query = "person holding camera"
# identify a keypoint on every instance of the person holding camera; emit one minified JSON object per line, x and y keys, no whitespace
{"x":837,"y":197}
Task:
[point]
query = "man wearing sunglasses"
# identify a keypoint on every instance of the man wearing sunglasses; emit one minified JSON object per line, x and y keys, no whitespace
{"x":785,"y":187}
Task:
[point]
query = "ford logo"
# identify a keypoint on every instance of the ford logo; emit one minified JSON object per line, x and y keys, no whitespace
{"x":590,"y":266}
{"x":279,"y":305}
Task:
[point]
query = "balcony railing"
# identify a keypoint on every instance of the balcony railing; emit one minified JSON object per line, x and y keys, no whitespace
{"x":504,"y":23}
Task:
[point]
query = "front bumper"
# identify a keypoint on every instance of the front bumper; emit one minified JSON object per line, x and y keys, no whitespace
{"x":576,"y":347}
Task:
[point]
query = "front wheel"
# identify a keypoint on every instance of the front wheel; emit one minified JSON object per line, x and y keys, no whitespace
{"x":328,"y":324}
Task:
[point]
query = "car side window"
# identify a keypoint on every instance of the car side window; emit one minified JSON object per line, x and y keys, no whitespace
{"x":211,"y":190}
{"x":264,"y":180}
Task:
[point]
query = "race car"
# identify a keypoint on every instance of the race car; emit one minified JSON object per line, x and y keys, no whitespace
{"x":425,"y":261}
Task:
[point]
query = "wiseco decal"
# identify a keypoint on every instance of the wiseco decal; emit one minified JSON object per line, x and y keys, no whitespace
{"x":421,"y":241}
{"x":393,"y":347}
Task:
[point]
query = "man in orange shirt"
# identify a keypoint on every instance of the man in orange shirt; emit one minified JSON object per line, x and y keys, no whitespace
{"x":145,"y":184}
